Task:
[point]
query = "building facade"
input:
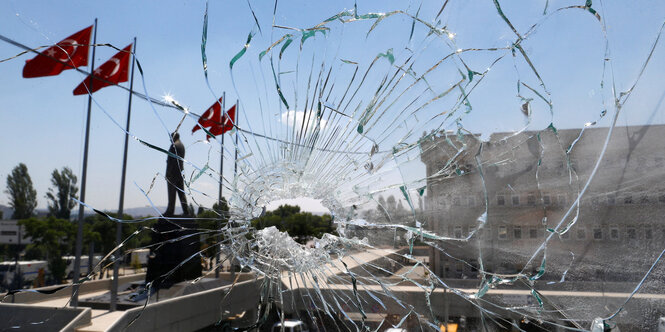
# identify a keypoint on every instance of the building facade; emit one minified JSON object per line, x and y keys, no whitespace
{"x":504,"y":199}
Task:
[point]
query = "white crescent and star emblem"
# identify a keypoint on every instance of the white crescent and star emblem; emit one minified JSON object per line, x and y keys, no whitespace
{"x":210,"y":114}
{"x":63,"y":47}
{"x":115,"y":70}
{"x":117,"y":66}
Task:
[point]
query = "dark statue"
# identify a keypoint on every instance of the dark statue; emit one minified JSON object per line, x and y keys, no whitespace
{"x":177,"y":245}
{"x":174,"y":180}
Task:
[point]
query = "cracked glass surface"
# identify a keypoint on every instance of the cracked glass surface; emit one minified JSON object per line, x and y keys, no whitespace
{"x":497,"y":165}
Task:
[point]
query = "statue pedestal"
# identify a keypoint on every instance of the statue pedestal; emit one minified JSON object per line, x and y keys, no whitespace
{"x":168,"y":254}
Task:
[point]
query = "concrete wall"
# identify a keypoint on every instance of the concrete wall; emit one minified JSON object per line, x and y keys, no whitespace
{"x":193,"y":312}
{"x":40,"y":319}
{"x":87,"y":287}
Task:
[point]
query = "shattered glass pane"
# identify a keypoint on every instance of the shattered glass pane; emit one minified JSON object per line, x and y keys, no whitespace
{"x":493,"y":164}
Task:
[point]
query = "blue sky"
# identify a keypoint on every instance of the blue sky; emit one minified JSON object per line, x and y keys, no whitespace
{"x":42,"y":123}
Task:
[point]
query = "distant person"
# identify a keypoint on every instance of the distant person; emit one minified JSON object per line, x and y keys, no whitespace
{"x":174,"y":180}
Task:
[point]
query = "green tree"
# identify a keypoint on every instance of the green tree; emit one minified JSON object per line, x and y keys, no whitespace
{"x":4,"y":252}
{"x":61,"y":196}
{"x":212,"y":219}
{"x":222,"y":208}
{"x":56,"y":237}
{"x":300,"y":225}
{"x":106,"y":229}
{"x":391,"y":204}
{"x":22,"y":196}
{"x":34,"y":252}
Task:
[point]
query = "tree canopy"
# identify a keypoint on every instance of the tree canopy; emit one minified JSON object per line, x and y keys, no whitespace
{"x":53,"y":236}
{"x":22,"y":196}
{"x":62,"y":194}
{"x":300,"y":225}
{"x":106,"y":229}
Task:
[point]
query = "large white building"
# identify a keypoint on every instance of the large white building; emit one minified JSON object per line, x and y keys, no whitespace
{"x":530,"y":181}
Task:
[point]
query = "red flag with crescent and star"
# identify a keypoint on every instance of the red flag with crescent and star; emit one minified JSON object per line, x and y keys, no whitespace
{"x":226,"y":125}
{"x":113,"y":71}
{"x":210,"y":117}
{"x":70,"y":53}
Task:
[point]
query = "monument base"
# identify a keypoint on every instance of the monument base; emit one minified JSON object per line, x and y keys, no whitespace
{"x":175,"y":242}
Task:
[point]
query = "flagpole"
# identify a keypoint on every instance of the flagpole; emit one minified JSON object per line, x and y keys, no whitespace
{"x":235,"y":163}
{"x":235,"y":169}
{"x":79,"y":233}
{"x":221,"y":186}
{"x":118,"y":226}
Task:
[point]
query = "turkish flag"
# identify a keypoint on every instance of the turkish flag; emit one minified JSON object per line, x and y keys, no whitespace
{"x":70,"y":53}
{"x":226,"y":125}
{"x":113,"y":71}
{"x":210,"y":117}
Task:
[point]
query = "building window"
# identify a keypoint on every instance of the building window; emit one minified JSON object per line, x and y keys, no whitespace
{"x":631,"y":233}
{"x":500,"y":200}
{"x":546,"y":200}
{"x":516,"y":200}
{"x":562,"y":199}
{"x":648,"y":233}
{"x":533,"y":233}
{"x":597,"y":234}
{"x":611,"y":199}
{"x":458,"y":232}
{"x":614,"y":233}
{"x":503,"y":232}
{"x":531,"y":200}
{"x":581,"y":233}
{"x":628,"y":199}
{"x":8,"y":233}
{"x":517,"y":232}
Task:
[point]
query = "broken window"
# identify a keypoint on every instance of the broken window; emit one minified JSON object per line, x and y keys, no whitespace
{"x":410,"y":122}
